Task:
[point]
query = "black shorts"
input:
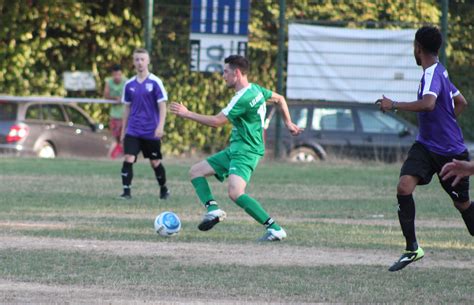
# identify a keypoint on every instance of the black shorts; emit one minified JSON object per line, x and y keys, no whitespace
{"x":151,"y":149}
{"x":424,"y":164}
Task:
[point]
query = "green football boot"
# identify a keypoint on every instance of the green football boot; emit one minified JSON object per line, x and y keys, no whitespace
{"x":407,"y":258}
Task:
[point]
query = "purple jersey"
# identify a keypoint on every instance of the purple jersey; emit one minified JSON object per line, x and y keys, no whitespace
{"x":439,"y":130}
{"x":143,"y":99}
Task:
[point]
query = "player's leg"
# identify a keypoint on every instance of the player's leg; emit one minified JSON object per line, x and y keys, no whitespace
{"x":416,"y":170}
{"x":241,"y":168}
{"x":236,"y":191}
{"x":217,"y":165}
{"x":160,"y":175}
{"x":116,"y":149}
{"x":197,"y":175}
{"x":131,"y":149}
{"x":406,"y":209}
{"x":460,"y":194}
{"x":466,"y":209}
{"x":118,"y":131}
{"x":152,"y":150}
{"x":406,"y":217}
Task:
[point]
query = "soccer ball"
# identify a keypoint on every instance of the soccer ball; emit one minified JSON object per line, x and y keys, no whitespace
{"x":167,"y":224}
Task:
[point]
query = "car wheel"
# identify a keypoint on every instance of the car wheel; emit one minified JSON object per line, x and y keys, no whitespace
{"x":47,"y":151}
{"x":303,"y":154}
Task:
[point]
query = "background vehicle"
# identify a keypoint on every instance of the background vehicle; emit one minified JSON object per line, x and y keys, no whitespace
{"x":47,"y":129}
{"x":342,"y":130}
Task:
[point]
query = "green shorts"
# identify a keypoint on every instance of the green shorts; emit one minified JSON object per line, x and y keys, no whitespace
{"x":227,"y":163}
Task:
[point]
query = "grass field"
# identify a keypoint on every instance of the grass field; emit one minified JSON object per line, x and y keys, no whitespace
{"x":65,"y":238}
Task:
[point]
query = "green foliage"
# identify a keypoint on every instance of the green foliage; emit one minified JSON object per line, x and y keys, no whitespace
{"x":39,"y":40}
{"x":461,"y":57}
{"x":42,"y":39}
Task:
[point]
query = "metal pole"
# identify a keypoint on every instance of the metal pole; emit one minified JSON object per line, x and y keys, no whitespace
{"x":148,"y":24}
{"x":280,"y":59}
{"x":444,"y":30}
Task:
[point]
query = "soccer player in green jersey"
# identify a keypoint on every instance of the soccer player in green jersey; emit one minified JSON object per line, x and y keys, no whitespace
{"x":246,"y":112}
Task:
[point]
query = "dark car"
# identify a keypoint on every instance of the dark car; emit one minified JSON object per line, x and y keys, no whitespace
{"x":342,"y":130}
{"x":47,"y":129}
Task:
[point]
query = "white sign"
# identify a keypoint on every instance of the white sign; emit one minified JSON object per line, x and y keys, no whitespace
{"x":79,"y":80}
{"x":219,"y":28}
{"x":54,"y":99}
{"x":351,"y":65}
{"x":209,"y":51}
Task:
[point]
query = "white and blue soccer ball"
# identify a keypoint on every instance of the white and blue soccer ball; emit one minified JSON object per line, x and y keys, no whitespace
{"x":167,"y":224}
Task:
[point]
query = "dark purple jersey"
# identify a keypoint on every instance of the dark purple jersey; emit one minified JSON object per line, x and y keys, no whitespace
{"x":439,"y":130}
{"x":143,"y":99}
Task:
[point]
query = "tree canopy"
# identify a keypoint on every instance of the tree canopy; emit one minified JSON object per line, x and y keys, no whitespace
{"x":39,"y":40}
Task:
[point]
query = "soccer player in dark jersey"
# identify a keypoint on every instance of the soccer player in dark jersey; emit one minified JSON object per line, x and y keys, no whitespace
{"x":144,"y":117}
{"x":439,"y":141}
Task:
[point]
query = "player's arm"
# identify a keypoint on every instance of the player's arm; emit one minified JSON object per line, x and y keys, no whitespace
{"x":460,"y":104}
{"x":280,"y":101}
{"x":209,"y":120}
{"x":126,"y":114}
{"x":159,"y":132}
{"x":427,"y":103}
{"x":107,"y":93}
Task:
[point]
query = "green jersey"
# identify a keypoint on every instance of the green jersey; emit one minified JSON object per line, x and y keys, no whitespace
{"x":116,"y":90}
{"x":246,"y":111}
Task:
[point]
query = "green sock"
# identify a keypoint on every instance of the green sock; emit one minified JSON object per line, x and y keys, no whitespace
{"x":204,"y":193}
{"x":255,"y":209}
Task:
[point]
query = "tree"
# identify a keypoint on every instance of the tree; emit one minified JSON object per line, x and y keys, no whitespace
{"x":39,"y":40}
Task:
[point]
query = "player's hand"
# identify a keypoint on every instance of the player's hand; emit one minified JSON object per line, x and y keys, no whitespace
{"x":179,"y":109}
{"x":384,"y":103}
{"x":122,"y":137}
{"x":159,"y":132}
{"x":458,"y":169}
{"x":294,"y":129}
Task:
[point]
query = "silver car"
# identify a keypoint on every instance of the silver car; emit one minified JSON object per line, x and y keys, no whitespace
{"x":50,"y":127}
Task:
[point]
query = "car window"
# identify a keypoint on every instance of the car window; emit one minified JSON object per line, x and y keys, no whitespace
{"x":53,"y":113}
{"x":33,"y":112}
{"x":378,"y":122}
{"x":8,"y":111}
{"x":335,"y":119}
{"x":76,"y":117}
{"x":299,"y":116}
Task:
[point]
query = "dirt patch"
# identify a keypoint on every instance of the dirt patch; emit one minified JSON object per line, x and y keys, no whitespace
{"x":376,"y":220}
{"x":276,"y":254}
{"x":13,"y":292}
{"x":34,"y":225}
{"x":427,"y":223}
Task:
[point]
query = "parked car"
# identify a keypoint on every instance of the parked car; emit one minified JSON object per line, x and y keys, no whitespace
{"x":339,"y":129}
{"x":47,"y":129}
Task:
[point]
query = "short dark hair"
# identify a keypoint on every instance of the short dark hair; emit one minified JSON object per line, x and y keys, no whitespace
{"x":238,"y":62}
{"x":429,"y":38}
{"x":141,"y":51}
{"x":116,"y":68}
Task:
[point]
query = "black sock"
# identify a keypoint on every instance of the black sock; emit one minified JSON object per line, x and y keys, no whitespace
{"x":406,"y":215}
{"x":468,"y":217}
{"x":127,"y":176}
{"x":160,"y":174}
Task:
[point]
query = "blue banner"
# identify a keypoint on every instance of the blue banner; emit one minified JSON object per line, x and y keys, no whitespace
{"x":225,"y":17}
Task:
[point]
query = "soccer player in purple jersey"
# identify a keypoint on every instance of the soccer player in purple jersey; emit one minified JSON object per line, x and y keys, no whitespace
{"x":439,"y":141}
{"x":144,"y":117}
